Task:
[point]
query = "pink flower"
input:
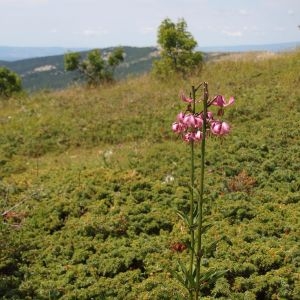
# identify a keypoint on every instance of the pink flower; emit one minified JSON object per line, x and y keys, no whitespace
{"x":199,"y":122}
{"x":219,"y":100}
{"x":190,"y":120}
{"x":188,"y":137}
{"x":193,"y":136}
{"x":185,"y":99}
{"x":180,"y":117}
{"x":198,"y":136}
{"x":219,"y":128}
{"x":189,"y":124}
{"x":209,"y":116}
{"x":178,"y":127}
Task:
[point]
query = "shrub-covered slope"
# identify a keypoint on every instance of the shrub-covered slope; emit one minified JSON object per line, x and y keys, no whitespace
{"x":91,"y":180}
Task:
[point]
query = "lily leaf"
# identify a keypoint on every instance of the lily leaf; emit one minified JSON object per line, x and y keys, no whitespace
{"x":211,"y":276}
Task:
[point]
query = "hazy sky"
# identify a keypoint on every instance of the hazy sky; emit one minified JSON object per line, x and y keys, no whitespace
{"x":102,"y":23}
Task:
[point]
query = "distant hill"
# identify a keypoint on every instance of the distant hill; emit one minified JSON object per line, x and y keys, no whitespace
{"x":246,"y":48}
{"x":48,"y":72}
{"x":8,"y":53}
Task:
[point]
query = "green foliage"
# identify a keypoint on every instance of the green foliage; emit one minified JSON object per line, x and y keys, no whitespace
{"x":71,"y":61}
{"x":177,"y":50}
{"x":10,"y":82}
{"x":116,"y":57}
{"x":93,"y":179}
{"x":95,"y":68}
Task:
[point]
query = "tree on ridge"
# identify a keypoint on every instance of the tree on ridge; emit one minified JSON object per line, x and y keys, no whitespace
{"x":177,"y":49}
{"x":95,"y":68}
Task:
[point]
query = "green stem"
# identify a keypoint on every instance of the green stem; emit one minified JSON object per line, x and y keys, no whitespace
{"x":192,"y":232}
{"x":200,"y":200}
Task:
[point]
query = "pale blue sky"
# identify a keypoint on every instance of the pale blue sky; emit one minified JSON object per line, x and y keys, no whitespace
{"x":103,"y":23}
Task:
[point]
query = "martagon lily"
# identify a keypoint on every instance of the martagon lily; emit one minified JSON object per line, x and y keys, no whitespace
{"x":194,"y":127}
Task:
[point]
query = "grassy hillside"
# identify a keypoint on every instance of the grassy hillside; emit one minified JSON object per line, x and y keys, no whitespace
{"x":48,"y":72}
{"x":91,"y":179}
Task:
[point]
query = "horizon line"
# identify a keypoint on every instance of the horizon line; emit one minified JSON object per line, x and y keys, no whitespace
{"x":150,"y":46}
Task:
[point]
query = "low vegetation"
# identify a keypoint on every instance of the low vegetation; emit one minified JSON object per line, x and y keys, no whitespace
{"x":91,"y":180}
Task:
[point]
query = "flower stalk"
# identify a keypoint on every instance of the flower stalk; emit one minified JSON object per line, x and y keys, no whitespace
{"x":201,"y":191}
{"x":192,"y":208}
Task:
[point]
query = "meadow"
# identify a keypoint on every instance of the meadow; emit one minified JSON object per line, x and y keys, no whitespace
{"x":91,"y":179}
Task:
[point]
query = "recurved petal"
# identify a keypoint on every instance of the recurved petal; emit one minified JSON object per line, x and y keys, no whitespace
{"x":219,"y":100}
{"x":185,"y":99}
{"x":231,"y":101}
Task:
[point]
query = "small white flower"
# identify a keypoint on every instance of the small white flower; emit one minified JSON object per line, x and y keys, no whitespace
{"x":169,"y":179}
{"x":108,"y":153}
